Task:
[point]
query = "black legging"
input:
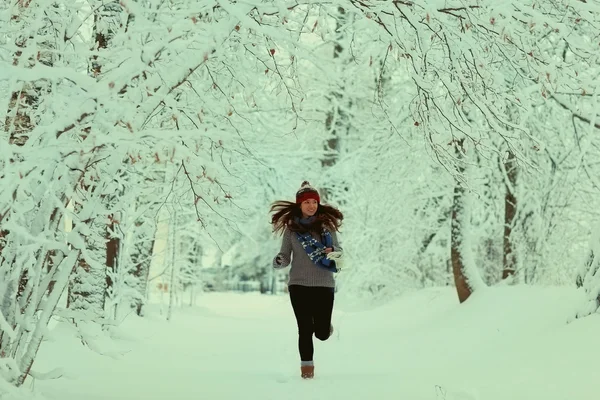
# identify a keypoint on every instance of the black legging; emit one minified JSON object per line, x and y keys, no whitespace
{"x":313,"y":307}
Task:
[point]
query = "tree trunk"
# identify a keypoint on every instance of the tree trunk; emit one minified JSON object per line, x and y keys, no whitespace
{"x":21,"y":115}
{"x":88,"y":284}
{"x":61,"y":278}
{"x":112,"y":254}
{"x":142,"y":260}
{"x":457,"y":226}
{"x":173,"y":254}
{"x":24,"y":286}
{"x":510,"y":210}
{"x":337,"y":122}
{"x":91,"y":283}
{"x":105,"y":17}
{"x":335,"y":117}
{"x":588,"y":276}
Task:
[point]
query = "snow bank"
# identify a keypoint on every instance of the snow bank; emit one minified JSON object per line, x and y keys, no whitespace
{"x":505,"y":342}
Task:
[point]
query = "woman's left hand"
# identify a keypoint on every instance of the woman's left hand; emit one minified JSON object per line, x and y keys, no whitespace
{"x":328,"y":250}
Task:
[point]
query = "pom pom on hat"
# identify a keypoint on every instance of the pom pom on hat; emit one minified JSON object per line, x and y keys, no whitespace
{"x":306,"y":192}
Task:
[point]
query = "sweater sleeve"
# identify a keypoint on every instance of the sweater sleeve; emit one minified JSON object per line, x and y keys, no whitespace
{"x":285,"y":252}
{"x":336,"y":244}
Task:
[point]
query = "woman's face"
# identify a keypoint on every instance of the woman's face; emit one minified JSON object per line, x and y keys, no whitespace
{"x":309,"y":207}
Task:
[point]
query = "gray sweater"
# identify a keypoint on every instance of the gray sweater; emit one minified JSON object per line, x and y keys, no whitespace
{"x":303,"y":272}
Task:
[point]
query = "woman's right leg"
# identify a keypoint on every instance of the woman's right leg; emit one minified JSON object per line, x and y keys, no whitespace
{"x":301,"y":303}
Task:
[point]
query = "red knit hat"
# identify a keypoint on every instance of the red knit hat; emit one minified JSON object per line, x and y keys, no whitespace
{"x":306,"y":192}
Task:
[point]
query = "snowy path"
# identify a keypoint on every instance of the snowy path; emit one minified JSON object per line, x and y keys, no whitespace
{"x":421,"y":347}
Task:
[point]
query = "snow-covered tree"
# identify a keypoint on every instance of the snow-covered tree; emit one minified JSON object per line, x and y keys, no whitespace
{"x":118,"y":112}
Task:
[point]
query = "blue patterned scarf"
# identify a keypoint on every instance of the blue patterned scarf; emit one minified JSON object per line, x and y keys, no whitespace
{"x":315,"y":249}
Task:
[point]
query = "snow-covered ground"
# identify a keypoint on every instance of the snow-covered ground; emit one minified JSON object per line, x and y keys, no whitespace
{"x":504,"y":343}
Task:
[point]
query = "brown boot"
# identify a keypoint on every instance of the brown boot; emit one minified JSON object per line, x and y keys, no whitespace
{"x":307,"y":371}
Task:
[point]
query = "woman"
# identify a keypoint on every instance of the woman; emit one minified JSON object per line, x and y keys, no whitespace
{"x":309,"y":234}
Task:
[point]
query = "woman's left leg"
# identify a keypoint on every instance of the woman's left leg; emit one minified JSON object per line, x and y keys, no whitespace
{"x":322,"y":305}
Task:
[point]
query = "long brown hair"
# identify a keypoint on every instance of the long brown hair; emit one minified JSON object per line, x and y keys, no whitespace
{"x":285,"y":213}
